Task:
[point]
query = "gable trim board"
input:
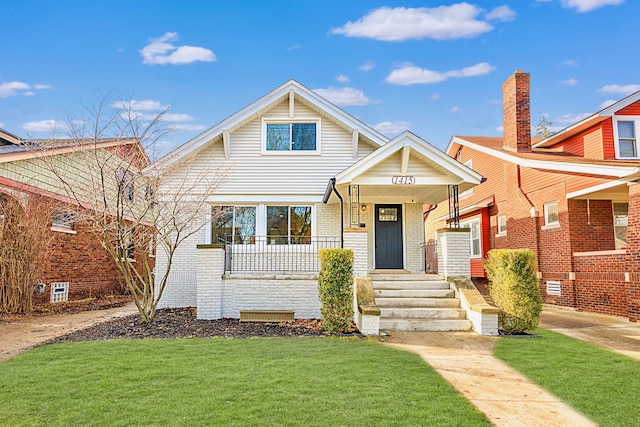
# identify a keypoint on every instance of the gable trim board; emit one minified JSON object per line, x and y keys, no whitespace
{"x":617,"y":171}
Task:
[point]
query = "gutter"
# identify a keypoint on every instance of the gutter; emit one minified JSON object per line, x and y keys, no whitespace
{"x":331,"y":188}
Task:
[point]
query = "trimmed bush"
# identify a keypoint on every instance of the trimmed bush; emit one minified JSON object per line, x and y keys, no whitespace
{"x":513,"y":285}
{"x":335,"y":284}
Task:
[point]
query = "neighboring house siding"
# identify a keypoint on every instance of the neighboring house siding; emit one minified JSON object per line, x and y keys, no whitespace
{"x":608,"y":143}
{"x":574,"y":144}
{"x":630,"y":110}
{"x":535,"y":179}
{"x":593,"y":145}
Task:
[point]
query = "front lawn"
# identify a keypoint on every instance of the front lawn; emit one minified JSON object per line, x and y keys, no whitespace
{"x":267,"y":381}
{"x":603,"y":385}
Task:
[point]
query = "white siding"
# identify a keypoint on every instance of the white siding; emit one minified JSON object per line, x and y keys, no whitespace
{"x":290,"y":173}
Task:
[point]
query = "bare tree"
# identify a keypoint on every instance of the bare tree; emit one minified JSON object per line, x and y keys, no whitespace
{"x":113,"y":186}
{"x":24,"y":236}
{"x":543,"y":127}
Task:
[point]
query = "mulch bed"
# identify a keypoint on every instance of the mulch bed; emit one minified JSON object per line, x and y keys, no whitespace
{"x":182,"y":323}
{"x":69,"y":307}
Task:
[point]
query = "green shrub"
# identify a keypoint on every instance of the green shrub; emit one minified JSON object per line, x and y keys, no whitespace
{"x":335,"y":284}
{"x":514,"y":288}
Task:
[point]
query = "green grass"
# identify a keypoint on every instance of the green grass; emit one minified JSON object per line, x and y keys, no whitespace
{"x":603,"y":385}
{"x":269,"y":381}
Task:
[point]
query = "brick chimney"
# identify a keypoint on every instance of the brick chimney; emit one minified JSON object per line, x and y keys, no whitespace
{"x":516,"y":112}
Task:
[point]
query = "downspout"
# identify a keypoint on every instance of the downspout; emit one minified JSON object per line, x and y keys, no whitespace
{"x":332,"y":187}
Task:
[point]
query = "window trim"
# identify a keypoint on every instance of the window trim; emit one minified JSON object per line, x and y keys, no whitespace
{"x":615,"y":226}
{"x":616,"y":140}
{"x":469,"y":192}
{"x":467,"y":224}
{"x":501,"y":232}
{"x":548,"y":224}
{"x":285,"y":120}
{"x":61,"y":227}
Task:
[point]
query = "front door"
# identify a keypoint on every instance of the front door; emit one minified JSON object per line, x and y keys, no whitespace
{"x":388,"y":236}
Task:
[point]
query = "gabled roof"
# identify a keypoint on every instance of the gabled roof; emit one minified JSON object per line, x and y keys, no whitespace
{"x":587,"y":122}
{"x":7,"y":138}
{"x":410,"y":140}
{"x":548,"y":159}
{"x":265,"y":103}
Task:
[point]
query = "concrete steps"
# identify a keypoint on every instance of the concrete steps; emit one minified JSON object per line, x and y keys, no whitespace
{"x":417,"y":302}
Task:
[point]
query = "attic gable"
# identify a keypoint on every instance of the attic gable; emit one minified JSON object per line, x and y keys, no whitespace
{"x":291,"y":92}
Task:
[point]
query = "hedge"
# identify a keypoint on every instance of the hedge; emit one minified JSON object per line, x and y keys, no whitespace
{"x":514,"y":287}
{"x":335,"y":283}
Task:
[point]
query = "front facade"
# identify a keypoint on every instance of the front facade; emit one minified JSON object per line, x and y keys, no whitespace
{"x":571,"y":198}
{"x":74,"y":265}
{"x":298,"y":174}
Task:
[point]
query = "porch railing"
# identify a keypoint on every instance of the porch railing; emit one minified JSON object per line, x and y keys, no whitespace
{"x":430,"y":257}
{"x":275,"y":253}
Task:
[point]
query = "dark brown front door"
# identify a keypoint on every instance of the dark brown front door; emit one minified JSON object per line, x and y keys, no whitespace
{"x":388,"y":236}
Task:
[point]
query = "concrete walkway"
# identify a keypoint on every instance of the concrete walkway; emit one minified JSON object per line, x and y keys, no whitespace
{"x":506,"y":398}
{"x":18,"y":337}
{"x":613,"y":333}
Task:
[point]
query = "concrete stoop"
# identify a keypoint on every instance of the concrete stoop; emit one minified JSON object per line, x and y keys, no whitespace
{"x":417,"y":302}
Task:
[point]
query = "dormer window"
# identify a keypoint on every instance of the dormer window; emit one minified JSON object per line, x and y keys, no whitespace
{"x":290,"y":136}
{"x":626,"y":138}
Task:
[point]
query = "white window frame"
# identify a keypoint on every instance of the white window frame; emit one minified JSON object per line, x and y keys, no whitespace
{"x":502,"y":232}
{"x":547,"y":223}
{"x":64,"y":226}
{"x":618,"y":246}
{"x":276,"y":120}
{"x":636,"y":123}
{"x":467,"y":224}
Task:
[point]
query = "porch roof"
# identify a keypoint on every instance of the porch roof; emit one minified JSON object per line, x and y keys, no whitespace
{"x":405,"y":170}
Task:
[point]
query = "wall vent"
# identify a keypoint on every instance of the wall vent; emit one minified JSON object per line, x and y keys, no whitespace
{"x":59,"y":291}
{"x":553,"y":288}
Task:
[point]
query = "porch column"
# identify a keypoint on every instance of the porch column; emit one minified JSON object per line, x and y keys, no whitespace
{"x":633,"y":252}
{"x":209,"y":281}
{"x":356,"y":239}
{"x":454,"y":252}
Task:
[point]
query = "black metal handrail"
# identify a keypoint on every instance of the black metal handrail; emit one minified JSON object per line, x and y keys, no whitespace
{"x":275,"y":253}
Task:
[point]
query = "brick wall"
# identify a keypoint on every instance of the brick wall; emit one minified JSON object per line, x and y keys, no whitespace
{"x":516,"y":112}
{"x":591,"y":225}
{"x":453,"y":252}
{"x":414,"y":236}
{"x":633,"y":252}
{"x":600,"y":284}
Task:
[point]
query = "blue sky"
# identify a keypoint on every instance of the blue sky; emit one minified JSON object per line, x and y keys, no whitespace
{"x":434,"y":67}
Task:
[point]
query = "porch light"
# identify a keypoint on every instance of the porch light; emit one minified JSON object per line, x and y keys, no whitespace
{"x":363,"y":208}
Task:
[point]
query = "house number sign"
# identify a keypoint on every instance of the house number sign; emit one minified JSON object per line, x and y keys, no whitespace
{"x":403,"y":179}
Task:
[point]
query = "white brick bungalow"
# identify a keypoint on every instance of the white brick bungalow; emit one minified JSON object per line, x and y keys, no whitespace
{"x":302,"y":174}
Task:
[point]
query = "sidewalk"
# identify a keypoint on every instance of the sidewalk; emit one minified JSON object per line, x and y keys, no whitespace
{"x":17,"y":337}
{"x":613,"y":333}
{"x":466,"y":361}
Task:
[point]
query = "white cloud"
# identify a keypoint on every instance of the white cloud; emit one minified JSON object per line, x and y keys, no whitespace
{"x":50,"y":126}
{"x":583,"y":6}
{"x":501,"y":13}
{"x":500,"y":129}
{"x":571,"y":118}
{"x":343,"y":96}
{"x":1,"y":124}
{"x":619,"y":89}
{"x":137,"y":105}
{"x":160,"y":51}
{"x":294,"y":47}
{"x":367,"y":66}
{"x":454,"y":109}
{"x":342,"y":78}
{"x":570,"y":63}
{"x":409,"y":74}
{"x":170,"y":117}
{"x":40,"y":87}
{"x":435,"y":96}
{"x":607,"y":103}
{"x":570,"y":82}
{"x":402,"y":23}
{"x":12,"y":88}
{"x":392,"y":129}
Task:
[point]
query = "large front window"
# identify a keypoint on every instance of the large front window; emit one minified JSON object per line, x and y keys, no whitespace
{"x":290,"y":224}
{"x":233,"y":223}
{"x":475,"y":246}
{"x":627,"y":142}
{"x":291,"y":136}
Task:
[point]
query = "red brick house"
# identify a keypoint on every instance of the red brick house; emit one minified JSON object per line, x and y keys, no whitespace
{"x":573,"y":198}
{"x":75,"y":266}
